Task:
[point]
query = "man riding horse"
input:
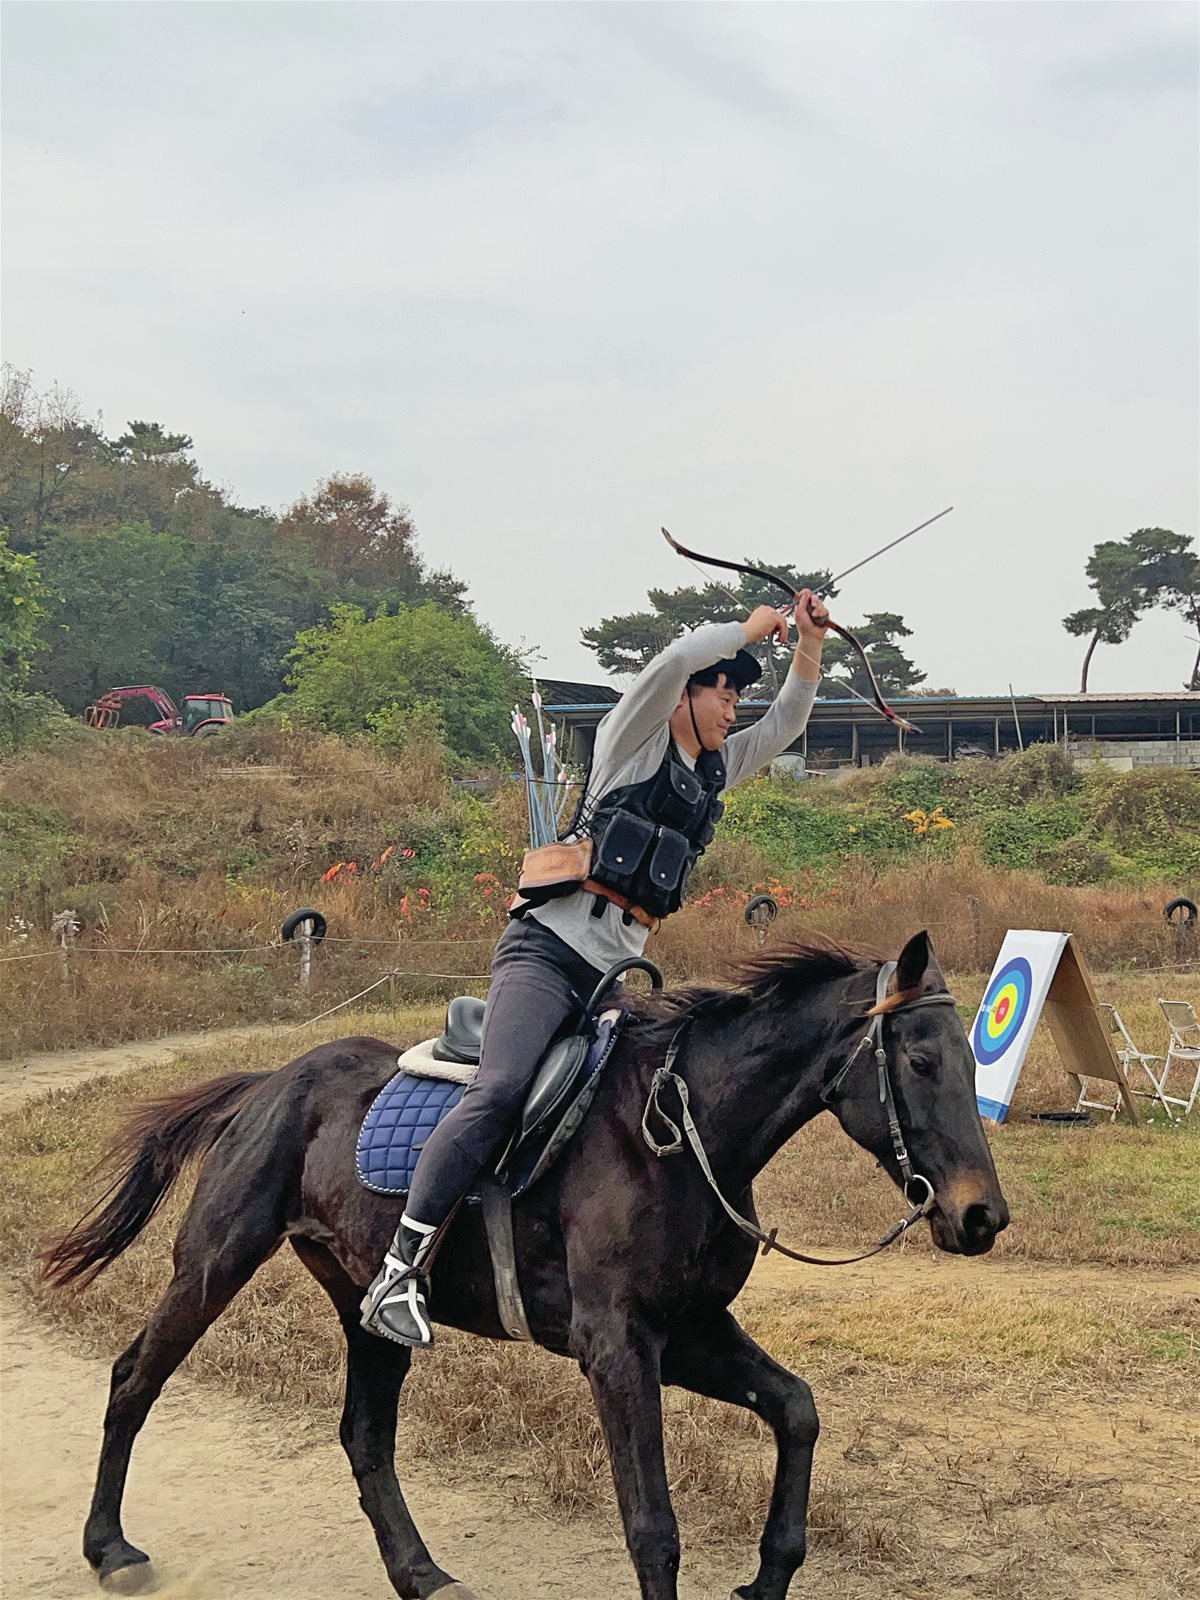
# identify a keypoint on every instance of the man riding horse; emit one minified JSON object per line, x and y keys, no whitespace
{"x":664,"y":756}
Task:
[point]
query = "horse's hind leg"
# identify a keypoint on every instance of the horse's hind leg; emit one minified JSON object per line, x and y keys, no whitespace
{"x":375,"y":1372}
{"x":216,"y":1253}
{"x":717,"y":1358}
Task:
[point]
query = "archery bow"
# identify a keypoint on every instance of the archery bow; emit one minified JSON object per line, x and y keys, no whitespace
{"x":880,"y":703}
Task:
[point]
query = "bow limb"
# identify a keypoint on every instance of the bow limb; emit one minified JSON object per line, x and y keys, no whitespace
{"x":881,"y":704}
{"x":730,"y":566}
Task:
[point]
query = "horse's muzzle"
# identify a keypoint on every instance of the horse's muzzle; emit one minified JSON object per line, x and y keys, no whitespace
{"x":972,"y":1230}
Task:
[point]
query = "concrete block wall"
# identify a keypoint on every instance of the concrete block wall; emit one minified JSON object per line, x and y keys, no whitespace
{"x":1127,"y":755}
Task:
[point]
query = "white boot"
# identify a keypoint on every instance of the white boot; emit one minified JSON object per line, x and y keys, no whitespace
{"x":394,"y":1306}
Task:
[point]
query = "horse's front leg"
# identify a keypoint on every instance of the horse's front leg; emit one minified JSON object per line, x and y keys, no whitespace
{"x":621,"y":1360}
{"x":715,"y":1357}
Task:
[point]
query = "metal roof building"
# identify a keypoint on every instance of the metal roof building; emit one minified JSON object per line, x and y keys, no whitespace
{"x":1123,"y":730}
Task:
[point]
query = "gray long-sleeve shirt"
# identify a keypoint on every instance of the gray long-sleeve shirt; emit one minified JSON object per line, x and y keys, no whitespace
{"x":631,"y":742}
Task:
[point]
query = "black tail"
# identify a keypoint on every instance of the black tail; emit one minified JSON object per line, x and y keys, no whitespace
{"x":150,"y":1152}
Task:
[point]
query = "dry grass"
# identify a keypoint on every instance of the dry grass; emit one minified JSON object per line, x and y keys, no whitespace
{"x":991,"y":1432}
{"x":993,"y":1437}
{"x":966,"y":906}
{"x":201,"y":848}
{"x":178,"y":847}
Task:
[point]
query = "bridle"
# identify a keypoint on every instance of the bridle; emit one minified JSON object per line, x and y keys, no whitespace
{"x":920,"y":1204}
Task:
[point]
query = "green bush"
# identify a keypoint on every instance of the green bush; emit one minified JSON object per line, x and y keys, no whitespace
{"x":1032,"y":811}
{"x":1018,"y":836}
{"x":36,"y":722}
{"x":352,"y":674}
{"x":32,"y":842}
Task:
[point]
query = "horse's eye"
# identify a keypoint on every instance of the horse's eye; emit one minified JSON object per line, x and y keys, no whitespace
{"x":925,"y":1065}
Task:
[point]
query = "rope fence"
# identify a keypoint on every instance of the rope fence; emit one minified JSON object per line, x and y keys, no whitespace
{"x":1185,"y":962}
{"x":460,"y":977}
{"x":68,"y":950}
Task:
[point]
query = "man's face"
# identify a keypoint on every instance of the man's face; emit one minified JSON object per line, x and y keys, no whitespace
{"x":715,"y":710}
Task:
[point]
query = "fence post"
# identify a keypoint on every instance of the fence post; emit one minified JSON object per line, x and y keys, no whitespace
{"x":306,"y":929}
{"x":976,"y":929}
{"x":66,"y":926}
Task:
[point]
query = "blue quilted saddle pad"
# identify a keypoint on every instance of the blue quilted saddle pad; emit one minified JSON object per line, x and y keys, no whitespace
{"x":407,"y":1110}
{"x":402,"y":1116}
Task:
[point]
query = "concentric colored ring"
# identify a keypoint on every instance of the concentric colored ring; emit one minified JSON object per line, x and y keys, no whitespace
{"x":1004,"y":1009}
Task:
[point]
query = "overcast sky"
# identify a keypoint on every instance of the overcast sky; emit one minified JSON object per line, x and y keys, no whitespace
{"x":786,"y":278}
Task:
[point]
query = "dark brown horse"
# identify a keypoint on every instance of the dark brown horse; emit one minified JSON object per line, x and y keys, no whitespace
{"x":628,"y":1263}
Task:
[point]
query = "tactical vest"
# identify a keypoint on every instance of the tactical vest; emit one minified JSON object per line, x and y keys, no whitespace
{"x":647,"y":837}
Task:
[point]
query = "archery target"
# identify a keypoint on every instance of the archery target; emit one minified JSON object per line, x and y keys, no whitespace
{"x":1008,"y":1014}
{"x":1004,"y":1009}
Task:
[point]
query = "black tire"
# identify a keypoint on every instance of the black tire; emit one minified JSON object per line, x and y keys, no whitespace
{"x":1188,"y":907}
{"x":292,"y":925}
{"x":762,"y":906}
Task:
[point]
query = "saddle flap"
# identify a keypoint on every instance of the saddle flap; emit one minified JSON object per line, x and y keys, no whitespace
{"x":559,"y":1102}
{"x":556,"y":1077}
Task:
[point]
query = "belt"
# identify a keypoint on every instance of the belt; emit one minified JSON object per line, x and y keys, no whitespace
{"x":590,"y":886}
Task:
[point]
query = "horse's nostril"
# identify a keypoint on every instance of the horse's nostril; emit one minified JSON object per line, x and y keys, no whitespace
{"x":980,"y":1222}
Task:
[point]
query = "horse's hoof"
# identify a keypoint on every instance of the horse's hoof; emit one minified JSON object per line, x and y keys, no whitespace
{"x":126,"y":1570}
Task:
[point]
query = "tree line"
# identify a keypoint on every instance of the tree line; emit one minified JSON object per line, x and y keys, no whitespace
{"x":121,"y":563}
{"x":624,"y":644}
{"x":126,"y":565}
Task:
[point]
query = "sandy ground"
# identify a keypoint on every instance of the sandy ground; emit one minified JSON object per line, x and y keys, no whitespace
{"x":33,"y":1073}
{"x":226,"y":1506}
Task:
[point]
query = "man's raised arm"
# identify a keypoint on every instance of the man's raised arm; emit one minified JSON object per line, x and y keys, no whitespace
{"x":646,"y":706}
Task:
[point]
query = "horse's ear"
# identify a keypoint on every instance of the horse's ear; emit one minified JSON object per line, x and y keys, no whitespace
{"x":915,"y":960}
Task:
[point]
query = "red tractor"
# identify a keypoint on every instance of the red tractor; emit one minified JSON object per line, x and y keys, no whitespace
{"x":202,"y":713}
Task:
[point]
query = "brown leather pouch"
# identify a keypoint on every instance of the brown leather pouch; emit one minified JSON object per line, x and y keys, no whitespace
{"x":553,"y":870}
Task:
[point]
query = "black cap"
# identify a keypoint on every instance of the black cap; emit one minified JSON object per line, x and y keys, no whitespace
{"x":740,"y":672}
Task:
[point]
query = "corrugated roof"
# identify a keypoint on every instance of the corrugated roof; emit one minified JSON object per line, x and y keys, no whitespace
{"x":561,"y":692}
{"x":1188,"y":696}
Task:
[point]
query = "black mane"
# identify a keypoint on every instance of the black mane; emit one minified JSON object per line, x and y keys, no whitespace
{"x":781,"y":976}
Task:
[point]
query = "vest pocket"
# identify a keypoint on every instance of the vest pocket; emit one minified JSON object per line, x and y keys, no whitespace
{"x":667,"y":872}
{"x":678,"y":797}
{"x":621,"y":851}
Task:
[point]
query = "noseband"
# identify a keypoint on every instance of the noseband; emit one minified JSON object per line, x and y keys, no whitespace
{"x":920,"y":1203}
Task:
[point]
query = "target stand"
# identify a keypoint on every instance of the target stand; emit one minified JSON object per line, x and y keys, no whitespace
{"x":1040,"y":974}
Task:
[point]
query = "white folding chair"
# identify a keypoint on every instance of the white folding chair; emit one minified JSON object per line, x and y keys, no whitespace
{"x":1128,"y":1054}
{"x":1183,"y":1052}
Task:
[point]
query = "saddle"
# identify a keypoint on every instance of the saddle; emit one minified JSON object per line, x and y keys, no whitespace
{"x":433,"y":1075}
{"x":432,"y":1078}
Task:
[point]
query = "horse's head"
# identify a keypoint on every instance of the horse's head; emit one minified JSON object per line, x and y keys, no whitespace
{"x":931,"y":1072}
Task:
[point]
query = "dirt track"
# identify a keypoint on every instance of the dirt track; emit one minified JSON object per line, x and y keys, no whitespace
{"x":226,"y":1506}
{"x":36,"y":1073}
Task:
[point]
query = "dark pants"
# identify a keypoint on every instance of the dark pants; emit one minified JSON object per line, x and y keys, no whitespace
{"x":537,"y":984}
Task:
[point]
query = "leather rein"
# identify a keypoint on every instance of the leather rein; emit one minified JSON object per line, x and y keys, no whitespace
{"x":920,"y":1204}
